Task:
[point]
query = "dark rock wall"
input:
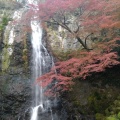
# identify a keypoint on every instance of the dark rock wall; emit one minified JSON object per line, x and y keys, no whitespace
{"x":94,"y":98}
{"x":14,"y":96}
{"x":15,"y":87}
{"x":15,"y":82}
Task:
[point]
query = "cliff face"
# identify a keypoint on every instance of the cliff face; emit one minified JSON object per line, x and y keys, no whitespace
{"x":15,"y":87}
{"x":62,"y":40}
{"x":15,"y":65}
{"x":8,"y":6}
{"x":87,"y":100}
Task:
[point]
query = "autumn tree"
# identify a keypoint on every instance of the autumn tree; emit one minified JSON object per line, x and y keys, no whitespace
{"x":89,"y":16}
{"x":61,"y":76}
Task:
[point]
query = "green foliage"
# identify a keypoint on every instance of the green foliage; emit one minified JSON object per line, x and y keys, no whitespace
{"x":4,"y":22}
{"x":112,"y":118}
{"x":5,"y":59}
{"x":112,"y":112}
{"x":99,"y":116}
{"x":119,"y":115}
{"x":62,"y":56}
{"x":98,"y":101}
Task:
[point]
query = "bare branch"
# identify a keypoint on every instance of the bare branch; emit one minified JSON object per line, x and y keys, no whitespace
{"x":87,"y":38}
{"x":62,"y":25}
{"x":83,"y":44}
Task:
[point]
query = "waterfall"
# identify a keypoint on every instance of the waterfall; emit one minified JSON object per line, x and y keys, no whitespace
{"x":41,"y":64}
{"x":38,"y":67}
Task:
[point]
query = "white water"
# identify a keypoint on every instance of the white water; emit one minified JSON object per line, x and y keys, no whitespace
{"x":37,"y":69}
{"x":40,"y":60}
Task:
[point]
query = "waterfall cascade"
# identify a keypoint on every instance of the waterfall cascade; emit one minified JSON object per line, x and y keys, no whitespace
{"x":42,"y":62}
{"x":41,"y":59}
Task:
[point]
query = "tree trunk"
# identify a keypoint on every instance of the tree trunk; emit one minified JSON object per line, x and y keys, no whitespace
{"x":83,"y":44}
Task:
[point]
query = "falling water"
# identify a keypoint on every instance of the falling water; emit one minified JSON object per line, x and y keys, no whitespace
{"x":37,"y":68}
{"x":41,"y":63}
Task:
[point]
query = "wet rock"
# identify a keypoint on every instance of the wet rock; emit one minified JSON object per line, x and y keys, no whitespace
{"x":15,"y":96}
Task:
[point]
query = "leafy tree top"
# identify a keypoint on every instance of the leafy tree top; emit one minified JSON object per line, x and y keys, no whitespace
{"x":87,"y":64}
{"x":89,"y":16}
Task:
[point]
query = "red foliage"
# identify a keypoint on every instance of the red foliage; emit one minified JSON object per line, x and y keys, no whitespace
{"x":95,"y":13}
{"x":90,"y":16}
{"x":107,"y":47}
{"x":89,"y":63}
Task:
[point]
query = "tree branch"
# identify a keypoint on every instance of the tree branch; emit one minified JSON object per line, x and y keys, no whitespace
{"x":62,"y":25}
{"x":83,"y":44}
{"x":87,"y":38}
